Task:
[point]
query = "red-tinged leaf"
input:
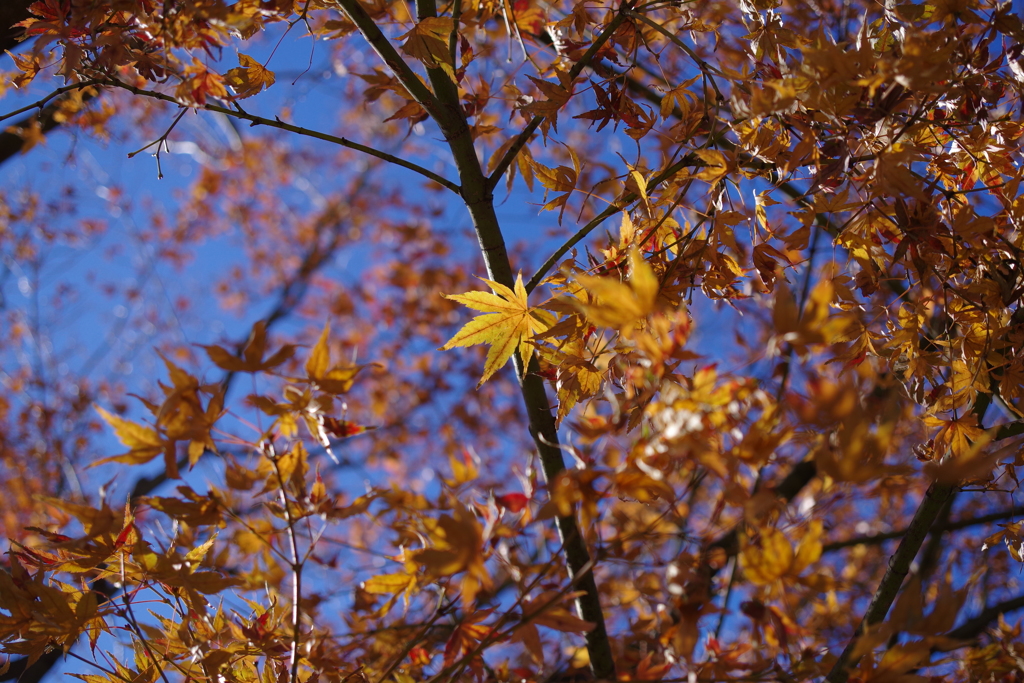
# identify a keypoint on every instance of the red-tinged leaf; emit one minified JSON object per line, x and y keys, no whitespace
{"x":125,"y":534}
{"x":344,"y":429}
{"x":199,"y":84}
{"x":466,"y":636}
{"x":50,"y":536}
{"x":318,"y":491}
{"x":513,"y":502}
{"x":32,"y":557}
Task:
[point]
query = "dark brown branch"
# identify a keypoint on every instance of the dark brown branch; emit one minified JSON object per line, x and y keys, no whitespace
{"x":972,"y":628}
{"x":299,"y":130}
{"x":11,"y":13}
{"x":524,"y":137}
{"x":445,"y":109}
{"x":899,"y":566}
{"x":875,"y":539}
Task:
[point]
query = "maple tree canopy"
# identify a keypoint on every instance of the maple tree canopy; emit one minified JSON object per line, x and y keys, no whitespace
{"x":726,"y":385}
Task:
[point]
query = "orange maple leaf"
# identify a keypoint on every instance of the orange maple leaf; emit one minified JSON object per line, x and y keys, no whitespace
{"x":249,"y":78}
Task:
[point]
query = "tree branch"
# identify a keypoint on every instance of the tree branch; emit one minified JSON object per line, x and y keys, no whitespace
{"x":299,"y":130}
{"x":875,"y":539}
{"x":627,"y":199}
{"x":38,"y":104}
{"x":389,"y":55}
{"x":973,"y":627}
{"x":513,"y":151}
{"x":899,"y":566}
{"x":477,"y":194}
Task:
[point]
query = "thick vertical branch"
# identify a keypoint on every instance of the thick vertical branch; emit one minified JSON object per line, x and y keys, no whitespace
{"x":477,"y":194}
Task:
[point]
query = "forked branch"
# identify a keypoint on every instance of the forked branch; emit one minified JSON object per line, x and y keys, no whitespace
{"x":259,"y":121}
{"x":477,"y":193}
{"x":899,"y":566}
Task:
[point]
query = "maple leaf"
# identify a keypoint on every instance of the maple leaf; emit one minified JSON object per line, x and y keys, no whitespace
{"x":199,"y":83}
{"x":458,"y":547}
{"x":717,"y":165}
{"x":249,"y":78}
{"x":561,"y":179}
{"x":29,"y":65}
{"x":617,"y":304}
{"x":466,"y":636}
{"x":401,"y":584}
{"x":428,"y":42}
{"x":145,"y":443}
{"x":252,"y":354}
{"x":333,"y":379}
{"x":776,"y":558}
{"x":508,"y":324}
{"x":546,"y":609}
{"x":576,"y":377}
{"x":557,"y":96}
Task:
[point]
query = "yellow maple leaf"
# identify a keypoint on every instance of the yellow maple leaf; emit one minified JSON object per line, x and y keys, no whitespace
{"x":620,"y":305}
{"x":507,"y":324}
{"x":145,"y":443}
{"x":767,"y":563}
{"x":716,"y":166}
{"x":458,"y":547}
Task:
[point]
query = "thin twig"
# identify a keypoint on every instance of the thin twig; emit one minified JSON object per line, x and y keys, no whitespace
{"x":59,"y":91}
{"x":389,"y":55}
{"x":520,"y":141}
{"x":875,"y":539}
{"x":299,"y":130}
{"x":625,"y":201}
{"x":705,"y":68}
{"x":134,"y":623}
{"x":296,"y":564}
